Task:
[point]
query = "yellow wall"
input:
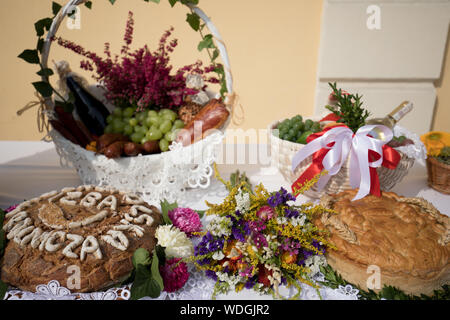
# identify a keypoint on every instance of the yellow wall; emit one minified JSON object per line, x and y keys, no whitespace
{"x":273,"y":50}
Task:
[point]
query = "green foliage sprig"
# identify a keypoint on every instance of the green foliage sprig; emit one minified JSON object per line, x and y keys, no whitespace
{"x":349,"y":108}
{"x":3,"y":286}
{"x":444,"y":155}
{"x":334,"y":280}
{"x":34,"y":56}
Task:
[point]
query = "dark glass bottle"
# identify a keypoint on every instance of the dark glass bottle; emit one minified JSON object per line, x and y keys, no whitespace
{"x":91,"y":111}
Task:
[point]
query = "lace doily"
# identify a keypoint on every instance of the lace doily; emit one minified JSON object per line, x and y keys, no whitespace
{"x":198,"y":287}
{"x":416,"y":150}
{"x":155,"y":177}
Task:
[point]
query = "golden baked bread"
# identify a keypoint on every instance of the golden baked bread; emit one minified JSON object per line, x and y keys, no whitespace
{"x":406,"y":238}
{"x":87,"y":231}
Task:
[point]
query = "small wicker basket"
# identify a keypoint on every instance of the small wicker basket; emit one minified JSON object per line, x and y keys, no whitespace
{"x":438,"y":175}
{"x":283,"y":151}
{"x":156,"y":176}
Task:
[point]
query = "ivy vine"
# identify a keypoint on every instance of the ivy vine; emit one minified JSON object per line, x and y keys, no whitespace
{"x":33,"y":56}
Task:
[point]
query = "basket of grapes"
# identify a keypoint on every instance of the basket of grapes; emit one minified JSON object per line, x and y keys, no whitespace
{"x":288,"y":139}
{"x":142,"y":125}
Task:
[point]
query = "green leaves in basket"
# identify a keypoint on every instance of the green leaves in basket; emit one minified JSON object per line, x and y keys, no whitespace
{"x":147,"y":281}
{"x":334,"y":280}
{"x":3,"y":286}
{"x":165,"y":208}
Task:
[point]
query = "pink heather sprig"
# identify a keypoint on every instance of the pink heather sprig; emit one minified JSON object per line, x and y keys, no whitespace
{"x":142,"y":77}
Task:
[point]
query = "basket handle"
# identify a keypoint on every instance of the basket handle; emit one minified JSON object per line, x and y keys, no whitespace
{"x":66,"y":10}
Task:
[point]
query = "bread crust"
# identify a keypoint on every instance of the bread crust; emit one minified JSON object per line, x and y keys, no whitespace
{"x":25,"y":267}
{"x":406,"y":242}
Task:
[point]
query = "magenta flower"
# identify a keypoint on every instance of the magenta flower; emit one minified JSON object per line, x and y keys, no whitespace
{"x":187,"y":220}
{"x":141,"y":78}
{"x":11,"y":208}
{"x":265,"y":213}
{"x":174,"y":275}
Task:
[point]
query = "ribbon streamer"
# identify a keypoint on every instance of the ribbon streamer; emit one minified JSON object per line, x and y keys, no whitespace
{"x":331,"y":148}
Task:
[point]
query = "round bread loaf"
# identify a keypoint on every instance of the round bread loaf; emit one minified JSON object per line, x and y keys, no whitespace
{"x":83,"y":237}
{"x":406,"y":240}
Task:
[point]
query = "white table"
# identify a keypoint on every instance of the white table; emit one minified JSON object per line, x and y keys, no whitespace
{"x":29,"y":169}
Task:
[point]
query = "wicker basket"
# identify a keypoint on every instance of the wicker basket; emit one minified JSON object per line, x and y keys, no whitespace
{"x":438,"y":175}
{"x":154,"y":177}
{"x":283,"y":151}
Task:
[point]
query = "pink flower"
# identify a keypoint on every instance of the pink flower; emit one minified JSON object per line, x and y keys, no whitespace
{"x":265,"y":213}
{"x":174,"y":276}
{"x":185,"y":219}
{"x":11,"y":208}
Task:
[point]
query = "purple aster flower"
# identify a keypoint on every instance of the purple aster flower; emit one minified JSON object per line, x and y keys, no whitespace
{"x":211,"y":274}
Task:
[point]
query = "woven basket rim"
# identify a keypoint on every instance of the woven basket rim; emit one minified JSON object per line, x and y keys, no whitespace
{"x":435,"y":162}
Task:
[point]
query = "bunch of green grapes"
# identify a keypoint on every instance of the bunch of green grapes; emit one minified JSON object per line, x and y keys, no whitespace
{"x":143,"y":126}
{"x":297,"y":130}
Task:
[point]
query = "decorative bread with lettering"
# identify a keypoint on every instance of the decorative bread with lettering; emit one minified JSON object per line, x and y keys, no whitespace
{"x":406,"y":238}
{"x":89,"y":229}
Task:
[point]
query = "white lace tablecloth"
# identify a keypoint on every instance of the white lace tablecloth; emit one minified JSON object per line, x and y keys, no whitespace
{"x":29,"y":169}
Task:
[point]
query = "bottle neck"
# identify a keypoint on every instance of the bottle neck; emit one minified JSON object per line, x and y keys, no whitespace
{"x":400,"y":111}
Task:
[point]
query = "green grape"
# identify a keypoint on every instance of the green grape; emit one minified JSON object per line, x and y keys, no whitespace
{"x":137,"y":137}
{"x":128,"y":112}
{"x":117,"y":112}
{"x":292,"y":132}
{"x":296,"y":126}
{"x":153,"y":120}
{"x":165,"y":126}
{"x":178,"y":124}
{"x":308,"y":124}
{"x":109,"y":128}
{"x":144,"y":139}
{"x":128,"y":130}
{"x":133,"y":122}
{"x":299,"y":134}
{"x":298,"y":118}
{"x":109,"y":119}
{"x":154,"y":134}
{"x":304,"y":136}
{"x":152,"y":113}
{"x":118,"y":126}
{"x":126,"y":120}
{"x":315,"y":127}
{"x":143,"y":129}
{"x":170,"y":115}
{"x":141,"y":116}
{"x":164,"y":145}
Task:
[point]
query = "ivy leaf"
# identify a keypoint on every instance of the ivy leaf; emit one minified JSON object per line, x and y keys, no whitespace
{"x":161,"y":254}
{"x":201,"y":213}
{"x":55,"y":8}
{"x":215,"y":55}
{"x":44,"y":88}
{"x":155,"y":271}
{"x":194,"y":21}
{"x":207,"y":42}
{"x":155,"y":1}
{"x":112,"y":1}
{"x":47,"y":72}
{"x":165,"y":208}
{"x":195,"y":2}
{"x":40,"y":45}
{"x":30,"y":56}
{"x":42,"y":25}
{"x":173,"y":2}
{"x":88,"y":4}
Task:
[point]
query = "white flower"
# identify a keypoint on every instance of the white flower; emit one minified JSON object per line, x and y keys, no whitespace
{"x":281,"y":220}
{"x":176,"y":243}
{"x":218,"y":255}
{"x":220,"y":226}
{"x":315,"y":262}
{"x":242,"y":201}
{"x":230,"y":279}
{"x":299,"y":221}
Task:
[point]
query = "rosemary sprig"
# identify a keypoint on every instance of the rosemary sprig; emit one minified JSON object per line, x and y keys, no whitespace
{"x":348,"y":108}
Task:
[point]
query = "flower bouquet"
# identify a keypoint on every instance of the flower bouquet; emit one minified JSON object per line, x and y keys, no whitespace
{"x":135,"y":129}
{"x":260,"y":240}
